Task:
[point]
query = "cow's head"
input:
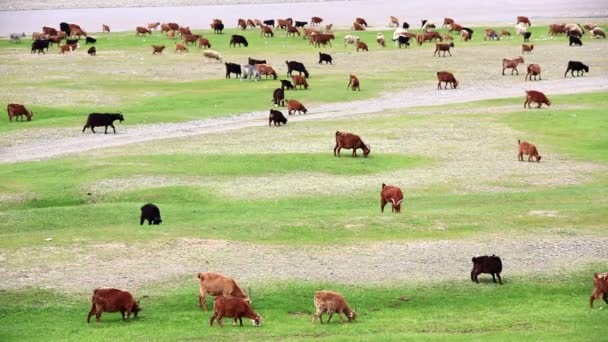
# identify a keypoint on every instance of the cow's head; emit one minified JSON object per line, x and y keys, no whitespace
{"x":455,"y":84}
{"x":366,"y":150}
{"x":257,"y":321}
{"x":120,"y":117}
{"x":396,"y":205}
{"x":136,"y":309}
{"x":538,"y":158}
{"x":352,"y":315}
{"x":29,"y":115}
{"x":157,"y":220}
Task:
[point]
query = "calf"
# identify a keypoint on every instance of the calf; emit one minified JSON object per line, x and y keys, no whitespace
{"x":277,"y":117}
{"x":316,"y":21}
{"x":353,"y":83}
{"x":204,"y":43}
{"x":529,"y":150}
{"x":236,"y":308}
{"x":112,"y":300}
{"x":527,"y":36}
{"x":92,"y":51}
{"x":217,"y":284}
{"x":286,"y":84}
{"x":331,"y":302}
{"x":393,"y":195}
{"x":102,"y":119}
{"x":157,"y":49}
{"x":90,"y":40}
{"x":403,"y":41}
{"x":296,"y":66}
{"x":151,"y":213}
{"x":511,"y":64}
{"x":536,"y":96}
{"x":292,"y":31}
{"x":575,"y":41}
{"x":40,"y":45}
{"x":295,"y":106}
{"x":267,"y":70}
{"x":211,"y":54}
{"x":17,"y":111}
{"x":490,"y":34}
{"x":445,"y":47}
{"x":232,"y":68}
{"x":237,"y":39}
{"x":447,"y":77}
{"x":600,"y":290}
{"x":299,"y":81}
{"x":350,"y":141}
{"x":361,"y":46}
{"x":324,"y":57}
{"x":278,"y":97}
{"x":105,"y":28}
{"x":527,"y":48}
{"x":533,"y":70}
{"x":249,"y":71}
{"x":252,"y":61}
{"x":486,"y":264}
{"x":180,"y":48}
{"x":67,"y":47}
{"x":579,"y":67}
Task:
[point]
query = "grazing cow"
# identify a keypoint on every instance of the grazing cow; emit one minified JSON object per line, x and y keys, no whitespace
{"x":217,"y":284}
{"x":90,"y":40}
{"x":232,"y":68}
{"x":465,"y":36}
{"x":600,"y":288}
{"x":447,"y":77}
{"x":184,"y":30}
{"x":286,"y":84}
{"x":308,"y":32}
{"x":353,"y":83}
{"x":393,"y":195}
{"x":533,"y":70}
{"x":447,"y":21}
{"x":112,"y":300}
{"x":524,"y":20}
{"x":527,"y":36}
{"x":350,"y":39}
{"x":486,"y":264}
{"x":597,"y":32}
{"x":316,"y":21}
{"x":490,"y":34}
{"x":157,"y":49}
{"x":393,"y":21}
{"x":252,"y":61}
{"x":191,"y":38}
{"x":269,"y":22}
{"x":165,"y":28}
{"x":511,"y":64}
{"x":350,"y":141}
{"x":142,"y":31}
{"x":527,"y":48}
{"x":237,"y":39}
{"x":277,"y":117}
{"x":299,"y":80}
{"x":557,"y":29}
{"x":575,"y":41}
{"x":529,"y":150}
{"x":204,"y":43}
{"x":242,"y":24}
{"x":92,"y":51}
{"x":292,"y":31}
{"x":361,"y":21}
{"x":295,"y":106}
{"x":180,"y":48}
{"x":380,"y":39}
{"x":16,"y":37}
{"x":267,"y":70}
{"x":358,"y":27}
{"x":173,"y":26}
{"x":236,"y":308}
{"x":217,"y":27}
{"x":153,"y":26}
{"x":278,"y":97}
{"x":251,"y":23}
{"x":331,"y":302}
{"x":579,"y":67}
{"x":324,"y":57}
{"x":300,"y":23}
{"x":505,"y":33}
{"x":454,"y":27}
{"x":212,"y":54}
{"x":283,"y":23}
{"x":249,"y":71}
{"x":536,"y":96}
{"x":65,"y":27}
{"x":266,"y":31}
{"x":296,"y":66}
{"x":105,"y":28}
{"x":49,"y":30}
{"x":322,"y":39}
{"x":151,"y":213}
{"x":361,"y":46}
{"x":403,"y":41}
{"x":67,"y":47}
{"x":39,"y":46}
{"x":102,"y":119}
{"x":445,"y":47}
{"x":17,"y":111}
{"x":428,"y":36}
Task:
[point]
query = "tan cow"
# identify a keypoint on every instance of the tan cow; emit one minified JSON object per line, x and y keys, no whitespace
{"x":217,"y":284}
{"x":331,"y":302}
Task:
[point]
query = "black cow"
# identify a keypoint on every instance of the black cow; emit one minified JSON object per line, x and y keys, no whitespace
{"x":579,"y":67}
{"x":90,"y":40}
{"x":486,"y":264}
{"x":232,"y":68}
{"x":269,"y":22}
{"x":278,"y":97}
{"x":151,"y":213}
{"x":575,"y":41}
{"x":405,"y":25}
{"x":92,"y":51}
{"x":286,"y":84}
{"x":102,"y":119}
{"x":65,"y":27}
{"x":39,"y":45}
{"x":527,"y":36}
{"x":301,"y":23}
{"x":470,"y":32}
{"x":574,"y":33}
{"x":71,"y":41}
{"x":252,"y":61}
{"x":237,"y":39}
{"x":324,"y":57}
{"x":218,"y":28}
{"x":277,"y":117}
{"x":296,"y":66}
{"x":403,"y":40}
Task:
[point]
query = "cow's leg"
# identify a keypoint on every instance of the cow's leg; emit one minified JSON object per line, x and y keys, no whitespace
{"x":93,"y":129}
{"x":499,"y":280}
{"x":503,"y":70}
{"x":106,"y":131}
{"x":605,"y":297}
{"x":114,"y":128}
{"x":212,"y":318}
{"x":450,"y":53}
{"x":337,"y":150}
{"x":520,"y":156}
{"x":493,"y":277}
{"x":219,"y":321}
{"x":91,"y":312}
{"x":331,"y":313}
{"x":122,"y":313}
{"x":382,"y":205}
{"x":572,"y":72}
{"x":241,"y":321}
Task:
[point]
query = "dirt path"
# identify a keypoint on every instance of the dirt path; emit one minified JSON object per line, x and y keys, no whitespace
{"x":130,"y":266}
{"x":54,"y":146}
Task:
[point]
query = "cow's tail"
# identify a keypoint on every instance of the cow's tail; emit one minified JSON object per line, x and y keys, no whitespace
{"x":383,"y":185}
{"x":338,"y":133}
{"x":518,"y":142}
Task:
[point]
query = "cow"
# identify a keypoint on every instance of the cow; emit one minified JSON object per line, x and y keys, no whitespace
{"x":524,"y":20}
{"x":250,"y":23}
{"x":250,"y":71}
{"x":527,"y":149}
{"x":575,"y":41}
{"x":278,"y":97}
{"x":67,"y":47}
{"x":322,"y":39}
{"x":16,"y":37}
{"x":324,"y":57}
{"x":105,"y":28}
{"x":490,"y":34}
{"x":447,"y":21}
{"x":283,"y":23}
{"x":316,"y":21}
{"x":238,"y":39}
{"x":191,"y":38}
{"x":295,"y":106}
{"x":557,"y":29}
{"x":393,"y":21}
{"x":17,"y":111}
{"x":266,"y":31}
{"x":217,"y":28}
{"x":350,"y":39}
{"x":361,"y":46}
{"x":39,"y":45}
{"x":267,"y":70}
{"x":465,"y":36}
{"x":600,"y":288}
{"x":331,"y":302}
{"x":286,"y":84}
{"x":65,"y":27}
{"x":350,"y":141}
{"x":353,"y":83}
{"x":505,"y":33}
{"x":112,"y":300}
{"x":428,"y":36}
{"x":212,"y":54}
{"x":173,"y":26}
{"x":277,"y":117}
{"x":579,"y":67}
{"x":242,"y":24}
{"x":380,"y":39}
{"x":217,"y":284}
{"x":527,"y":36}
{"x":150,"y":213}
{"x":102,"y":119}
{"x":49,"y":30}
{"x":447,"y":77}
{"x":296,"y":66}
{"x":536,"y":96}
{"x":445,"y":47}
{"x":232,"y":68}
{"x":204,"y":43}
{"x":598,"y":33}
{"x":527,"y":48}
{"x":90,"y":40}
{"x":236,"y":308}
{"x":269,"y":22}
{"x":533,"y":70}
{"x":403,"y":41}
{"x":157,"y":49}
{"x":300,"y":23}
{"x":142,"y":31}
{"x":181,"y":48}
{"x":252,"y":61}
{"x":92,"y":51}
{"x":299,"y":81}
{"x":392,"y":194}
{"x":486,"y":264}
{"x":511,"y":64}
{"x":358,"y":27}
{"x":153,"y":26}
{"x":292,"y":31}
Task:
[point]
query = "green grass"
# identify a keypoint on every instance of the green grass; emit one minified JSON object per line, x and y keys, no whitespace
{"x":534,"y":308}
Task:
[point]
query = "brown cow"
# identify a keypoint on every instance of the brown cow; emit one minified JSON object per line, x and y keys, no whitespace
{"x":191,"y":38}
{"x":265,"y":69}
{"x":361,"y":21}
{"x":556,"y":29}
{"x":49,"y":30}
{"x":393,"y":21}
{"x":533,"y":70}
{"x":184,"y":30}
{"x":511,"y":64}
{"x":242,"y":24}
{"x":600,"y":290}
{"x":529,"y":150}
{"x":358,"y":27}
{"x":393,"y":195}
{"x":525,"y":20}
{"x":331,"y":302}
{"x":505,"y":33}
{"x":428,"y":36}
{"x":299,"y":81}
{"x":258,"y":22}
{"x":112,"y":300}
{"x":250,"y":23}
{"x":204,"y":42}
{"x":447,"y":21}
{"x":353,"y":83}
{"x":283,"y":23}
{"x":316,"y":21}
{"x":105,"y":28}
{"x":266,"y":31}
{"x":465,"y":35}
{"x":445,"y":47}
{"x":490,"y":34}
{"x":180,"y":48}
{"x":447,"y":77}
{"x":157,"y":49}
{"x":142,"y":31}
{"x":67,"y":47}
{"x":350,"y":141}
{"x":454,"y":28}
{"x":527,"y":48}
{"x":361,"y":46}
{"x":217,"y":284}
{"x":164,"y":28}
{"x":236,"y":308}
{"x":77,"y":33}
{"x":308,"y":32}
{"x":17,"y":111}
{"x":154,"y":26}
{"x":295,"y":106}
{"x":536,"y":96}
{"x":292,"y":30}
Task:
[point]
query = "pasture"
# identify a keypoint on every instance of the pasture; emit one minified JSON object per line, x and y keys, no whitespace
{"x":273,"y":208}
